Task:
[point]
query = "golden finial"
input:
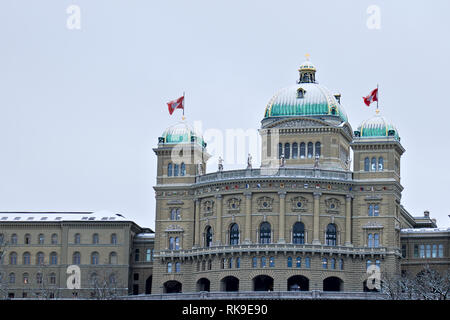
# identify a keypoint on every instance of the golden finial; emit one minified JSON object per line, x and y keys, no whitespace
{"x":377,"y":111}
{"x":183,"y":118}
{"x":307,"y":56}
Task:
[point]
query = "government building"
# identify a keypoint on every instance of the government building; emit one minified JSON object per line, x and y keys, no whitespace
{"x":310,"y":218}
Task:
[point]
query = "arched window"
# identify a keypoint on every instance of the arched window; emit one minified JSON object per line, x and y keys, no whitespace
{"x":94,"y":258}
{"x":263,"y":262}
{"x":14,"y":238}
{"x":177,"y":267}
{"x":76,"y":258}
{"x":333,"y":263}
{"x":289,"y":262}
{"x":287,"y":150}
{"x":368,"y":264}
{"x":376,"y":240}
{"x":373,"y":166}
{"x":234,"y":234}
{"x":77,"y":238}
{"x":324,"y":263}
{"x":230,"y":263}
{"x":41,"y":239}
{"x":302,"y":150}
{"x":95,"y":238}
{"x":377,"y":263}
{"x":171,"y":243}
{"x":307,"y":262}
{"x":183,"y":169}
{"x":40,"y":258}
{"x":238,"y":262}
{"x":331,"y":235}
{"x":169,"y":170}
{"x":318,"y":149}
{"x":298,"y":233}
{"x":177,"y":243}
{"x":12,"y":278}
{"x":169,"y":267}
{"x":295,"y":150}
{"x":113,"y":258}
{"x":208,"y":236}
{"x":366,"y":164}
{"x":27,"y":239}
{"x":298,"y":262}
{"x":370,"y":240}
{"x":53,"y":258}
{"x":26,"y":278}
{"x":272,"y":262}
{"x":26,"y":258}
{"x":254,"y":262}
{"x":376,"y":210}
{"x":113,"y":238}
{"x":265,"y":233}
{"x":280,"y":150}
{"x":175,"y":169}
{"x":341,"y":264}
{"x":13,"y":258}
{"x":380,"y":164}
{"x":310,"y":149}
{"x":52,"y":278}
{"x":54,"y":238}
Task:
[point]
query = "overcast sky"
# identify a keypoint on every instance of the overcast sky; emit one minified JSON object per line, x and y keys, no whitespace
{"x":81,"y":109}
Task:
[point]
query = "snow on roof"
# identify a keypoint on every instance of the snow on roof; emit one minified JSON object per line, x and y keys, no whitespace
{"x":145,"y":235}
{"x":60,"y":216}
{"x":423,"y":230}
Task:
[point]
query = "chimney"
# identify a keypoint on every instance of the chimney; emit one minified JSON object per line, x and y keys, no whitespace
{"x":338,"y":97}
{"x":426,"y":213}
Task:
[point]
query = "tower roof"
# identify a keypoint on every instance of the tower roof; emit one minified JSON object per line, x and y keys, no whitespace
{"x":181,"y":132}
{"x":377,"y":127}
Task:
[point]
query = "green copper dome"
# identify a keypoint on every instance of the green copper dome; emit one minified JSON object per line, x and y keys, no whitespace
{"x":306,"y":98}
{"x":377,"y":127}
{"x":181,"y":133}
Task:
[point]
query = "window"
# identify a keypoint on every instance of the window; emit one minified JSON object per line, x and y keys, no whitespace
{"x":298,"y":233}
{"x":287,"y":150}
{"x":136,"y":276}
{"x":13,"y":258}
{"x":52,"y":278}
{"x":265,"y":233}
{"x":366,"y":164}
{"x":370,"y":210}
{"x":298,"y":262}
{"x":341,"y":264}
{"x":169,"y":170}
{"x":53,"y":258}
{"x":148,"y":255}
{"x":310,"y":149}
{"x":230,"y":263}
{"x":54,"y":238}
{"x":302,"y":150}
{"x":422,"y":251}
{"x":171,"y":243}
{"x":94,"y":279}
{"x":428,"y":251}
{"x":222,"y":264}
{"x":295,"y":150}
{"x":373,"y":166}
{"x":377,"y":263}
{"x":169,"y":267}
{"x":208,"y":236}
{"x":177,"y":267}
{"x":376,"y":240}
{"x":136,"y":254}
{"x":27,"y":239}
{"x":113,"y":238}
{"x":177,"y":243}
{"x":77,"y":238}
{"x":441,"y":251}
{"x":255,"y":262}
{"x":434,"y":252}
{"x":318,"y":149}
{"x":403,"y":250}
{"x":112,"y":278}
{"x":41,"y":239}
{"x":376,"y":210}
{"x":280,"y":150}
{"x":289,"y":262}
{"x":40,"y":258}
{"x":2,"y":238}
{"x":368,"y":264}
{"x":263,"y":262}
{"x":26,"y":278}
{"x":95,"y":238}
{"x":175,"y":214}
{"x":331,"y":235}
{"x":113,"y":258}
{"x":12,"y":278}
{"x":370,"y":240}
{"x":183,"y":169}
{"x":210,"y":264}
{"x":234,"y":234}
{"x":380,"y":164}
{"x":308,"y":262}
{"x":416,"y":251}
{"x":203,"y":265}
{"x":94,"y":258}
{"x":324,"y":263}
{"x":238,"y":262}
{"x":76,"y":258}
{"x":39,"y":278}
{"x":14,"y":238}
{"x":272,"y":262}
{"x":175,"y":170}
{"x":26,"y":258}
{"x":333,"y":263}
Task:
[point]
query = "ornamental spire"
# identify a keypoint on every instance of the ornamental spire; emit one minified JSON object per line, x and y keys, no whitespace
{"x":307,"y":71}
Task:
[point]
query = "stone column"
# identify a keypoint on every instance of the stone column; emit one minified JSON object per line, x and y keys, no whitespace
{"x":248,"y":218}
{"x":316,"y":221}
{"x":197,"y":222}
{"x":282,"y":219}
{"x":218,"y":219}
{"x":348,"y":220}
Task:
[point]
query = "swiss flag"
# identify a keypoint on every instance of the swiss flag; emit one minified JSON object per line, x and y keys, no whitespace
{"x":373,"y":96}
{"x":176,"y":104}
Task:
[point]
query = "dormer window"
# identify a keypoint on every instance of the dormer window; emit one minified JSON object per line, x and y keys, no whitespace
{"x":300,"y":93}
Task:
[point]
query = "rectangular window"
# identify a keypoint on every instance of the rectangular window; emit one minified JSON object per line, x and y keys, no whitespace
{"x":434,"y":253}
{"x":441,"y":251}
{"x":404,"y":250}
{"x":136,"y":276}
{"x":148,"y":256}
{"x":428,"y":251}
{"x":422,"y":251}
{"x":416,"y":251}
{"x":370,"y":210}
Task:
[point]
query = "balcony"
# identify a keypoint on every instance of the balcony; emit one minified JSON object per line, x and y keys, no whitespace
{"x":264,"y":173}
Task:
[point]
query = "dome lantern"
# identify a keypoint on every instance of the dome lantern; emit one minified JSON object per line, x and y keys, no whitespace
{"x":307,"y":71}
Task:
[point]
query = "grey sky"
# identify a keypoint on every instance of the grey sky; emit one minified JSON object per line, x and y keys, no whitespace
{"x":81,"y":110}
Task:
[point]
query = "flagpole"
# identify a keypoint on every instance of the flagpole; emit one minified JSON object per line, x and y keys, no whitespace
{"x":183,"y":105}
{"x":378,"y":96}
